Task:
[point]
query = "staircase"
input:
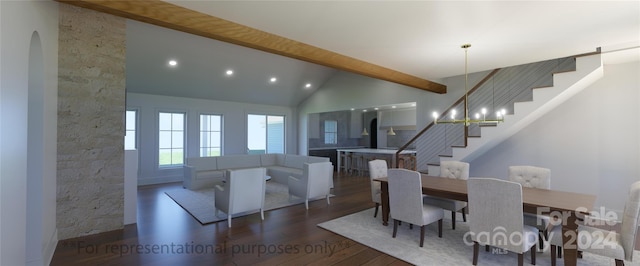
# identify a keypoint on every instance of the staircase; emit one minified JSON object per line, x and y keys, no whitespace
{"x":566,"y":84}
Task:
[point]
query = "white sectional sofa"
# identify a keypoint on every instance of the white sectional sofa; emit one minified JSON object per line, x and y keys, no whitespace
{"x":204,"y":172}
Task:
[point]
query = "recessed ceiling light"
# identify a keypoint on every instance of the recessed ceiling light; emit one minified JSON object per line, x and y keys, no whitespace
{"x":173,"y":62}
{"x":376,"y":108}
{"x":273,"y":79}
{"x":353,"y":109}
{"x":308,"y":85}
{"x":229,"y":72}
{"x":393,"y":106}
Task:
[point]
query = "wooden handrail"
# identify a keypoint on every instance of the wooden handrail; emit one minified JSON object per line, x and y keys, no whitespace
{"x":466,"y":132}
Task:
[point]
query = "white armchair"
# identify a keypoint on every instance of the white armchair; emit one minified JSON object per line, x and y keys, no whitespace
{"x":316,"y":181}
{"x":455,"y":170}
{"x":618,"y":246}
{"x":496,"y":211}
{"x":377,"y":169}
{"x":243,"y":191}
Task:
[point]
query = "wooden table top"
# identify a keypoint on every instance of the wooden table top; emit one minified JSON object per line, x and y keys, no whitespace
{"x":532,"y":197}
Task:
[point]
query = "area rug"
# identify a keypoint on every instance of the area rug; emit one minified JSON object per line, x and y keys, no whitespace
{"x":451,"y":249}
{"x":200,"y":203}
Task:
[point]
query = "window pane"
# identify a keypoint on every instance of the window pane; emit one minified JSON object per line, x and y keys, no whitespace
{"x":216,"y":123}
{"x":176,"y":156}
{"x":177,"y":140}
{"x":164,"y":140}
{"x":165,"y":121}
{"x":256,"y":133}
{"x":177,"y":122}
{"x":130,"y":120}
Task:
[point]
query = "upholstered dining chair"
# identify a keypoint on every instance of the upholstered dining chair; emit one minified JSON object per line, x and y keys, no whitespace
{"x":315,"y":181}
{"x":534,"y":177}
{"x":457,"y":170}
{"x":496,"y":218}
{"x":377,"y":169}
{"x":243,"y":191}
{"x":406,"y":203}
{"x":618,"y":246}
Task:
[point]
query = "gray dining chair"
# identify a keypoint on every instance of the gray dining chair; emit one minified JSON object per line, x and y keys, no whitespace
{"x":496,"y":218}
{"x":377,"y":169}
{"x":534,"y":177}
{"x":456,"y":170}
{"x":406,"y":203}
{"x":618,"y":246}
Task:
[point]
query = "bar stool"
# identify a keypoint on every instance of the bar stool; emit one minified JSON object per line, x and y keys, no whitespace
{"x":365,"y":162}
{"x":345,"y":159}
{"x":407,"y":162}
{"x":356,"y":163}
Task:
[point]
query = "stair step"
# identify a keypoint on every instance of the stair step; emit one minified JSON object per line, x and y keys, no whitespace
{"x":474,"y":136}
{"x":446,"y":155}
{"x":459,"y":146}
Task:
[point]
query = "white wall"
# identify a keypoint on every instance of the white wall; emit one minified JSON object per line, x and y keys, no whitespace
{"x":344,"y":91}
{"x":591,"y":142}
{"x":234,"y":129}
{"x":18,"y":21}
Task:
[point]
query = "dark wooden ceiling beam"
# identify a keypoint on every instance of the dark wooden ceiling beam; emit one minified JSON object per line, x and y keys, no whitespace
{"x":182,"y":19}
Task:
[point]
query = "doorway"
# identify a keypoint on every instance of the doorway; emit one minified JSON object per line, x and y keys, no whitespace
{"x":373,"y":128}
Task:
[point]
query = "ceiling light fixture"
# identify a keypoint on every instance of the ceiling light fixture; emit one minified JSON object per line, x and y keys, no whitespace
{"x":229,"y":72}
{"x":273,"y":79}
{"x":364,"y":129}
{"x":391,"y":132}
{"x":173,"y":62}
{"x":466,"y":120}
{"x":308,"y":85}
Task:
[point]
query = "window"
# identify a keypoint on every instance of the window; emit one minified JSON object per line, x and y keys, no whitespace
{"x":265,"y":134}
{"x":210,"y":135}
{"x":330,"y":132}
{"x":130,"y":140}
{"x":171,"y":139}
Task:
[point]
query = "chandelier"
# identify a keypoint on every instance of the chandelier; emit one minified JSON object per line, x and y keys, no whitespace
{"x":481,"y":117}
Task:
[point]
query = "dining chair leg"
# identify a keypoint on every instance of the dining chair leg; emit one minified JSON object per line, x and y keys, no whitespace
{"x":440,"y":228}
{"x":553,"y":255}
{"x":376,"y":212}
{"x":453,"y":220}
{"x":540,"y":240}
{"x":464,"y":214}
{"x":521,"y":259}
{"x":422,"y":235}
{"x":486,"y":248}
{"x":533,"y":254}
{"x":475,"y":252}
{"x":395,"y":227}
{"x":619,"y":262}
{"x":411,"y":226}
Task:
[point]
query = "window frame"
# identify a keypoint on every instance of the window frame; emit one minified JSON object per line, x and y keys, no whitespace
{"x":200,"y":132}
{"x":184,"y":139}
{"x":333,"y":133}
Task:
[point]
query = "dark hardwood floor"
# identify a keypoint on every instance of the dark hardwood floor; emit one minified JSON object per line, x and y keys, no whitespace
{"x":167,"y":235}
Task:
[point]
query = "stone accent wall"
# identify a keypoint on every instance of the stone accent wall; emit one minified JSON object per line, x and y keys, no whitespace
{"x":91,"y":105}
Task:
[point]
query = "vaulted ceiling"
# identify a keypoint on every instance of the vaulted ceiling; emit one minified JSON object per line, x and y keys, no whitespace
{"x":415,"y":38}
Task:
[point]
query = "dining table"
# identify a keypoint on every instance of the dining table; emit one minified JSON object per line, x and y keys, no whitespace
{"x":382,"y":152}
{"x":570,"y":205}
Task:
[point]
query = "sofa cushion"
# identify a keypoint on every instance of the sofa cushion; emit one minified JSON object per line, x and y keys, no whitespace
{"x":294,"y":161}
{"x":281,"y":174}
{"x":202,"y":163}
{"x":238,"y":161}
{"x":210,"y":174}
{"x":268,"y":159}
{"x":280,"y":159}
{"x":316,"y":159}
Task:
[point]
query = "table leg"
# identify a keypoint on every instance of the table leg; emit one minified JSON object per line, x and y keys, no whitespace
{"x":339,"y":161}
{"x":384,"y":196}
{"x":569,"y":240}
